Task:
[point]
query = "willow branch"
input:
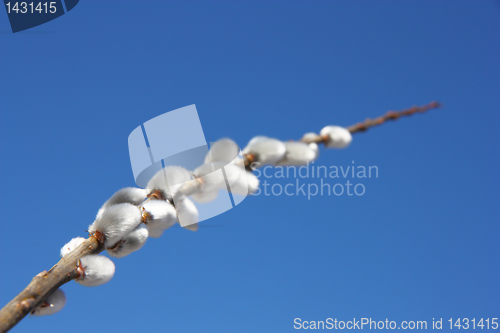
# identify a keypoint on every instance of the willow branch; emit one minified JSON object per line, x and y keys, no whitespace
{"x":44,"y":284}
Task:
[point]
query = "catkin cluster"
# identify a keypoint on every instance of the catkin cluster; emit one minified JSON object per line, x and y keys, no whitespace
{"x":132,"y":215}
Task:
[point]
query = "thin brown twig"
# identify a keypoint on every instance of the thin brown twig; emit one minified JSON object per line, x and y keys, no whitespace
{"x":391,"y":115}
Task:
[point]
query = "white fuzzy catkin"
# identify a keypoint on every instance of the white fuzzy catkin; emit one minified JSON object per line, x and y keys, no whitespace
{"x":266,"y":150}
{"x":239,"y":180}
{"x":96,"y":269}
{"x":252,"y":182}
{"x":246,"y":184}
{"x":299,"y":153}
{"x":155,"y":233}
{"x":234,"y":173}
{"x":71,"y":245}
{"x":52,"y":304}
{"x":116,"y":221}
{"x":161,"y":214}
{"x":174,"y":176}
{"x":223,"y":150}
{"x":187,"y":214}
{"x":130,"y":243}
{"x":310,"y":136}
{"x":336,"y":136}
{"x":211,"y":176}
{"x":205,"y":196}
{"x":314,"y":147}
{"x":192,"y":227}
{"x":132,"y":195}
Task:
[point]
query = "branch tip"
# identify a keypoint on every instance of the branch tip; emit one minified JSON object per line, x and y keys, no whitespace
{"x":392,"y":115}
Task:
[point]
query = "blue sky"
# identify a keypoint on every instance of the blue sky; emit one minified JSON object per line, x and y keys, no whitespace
{"x":421,"y":243}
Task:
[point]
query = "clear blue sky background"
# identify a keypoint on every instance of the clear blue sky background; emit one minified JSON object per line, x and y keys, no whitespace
{"x":421,"y":243}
